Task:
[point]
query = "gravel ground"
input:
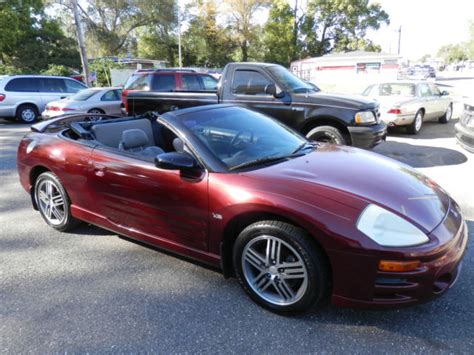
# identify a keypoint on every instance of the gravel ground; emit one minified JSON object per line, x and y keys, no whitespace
{"x":92,"y":291}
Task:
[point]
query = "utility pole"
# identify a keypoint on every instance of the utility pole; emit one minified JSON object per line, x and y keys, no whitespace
{"x":180,"y":62}
{"x":80,"y":41}
{"x":399,"y":38}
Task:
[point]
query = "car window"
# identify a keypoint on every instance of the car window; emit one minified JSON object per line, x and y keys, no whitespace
{"x":424,"y":90}
{"x":23,"y":85}
{"x":210,"y":84}
{"x":396,"y":89}
{"x":368,"y":90}
{"x":163,"y":82}
{"x":110,"y":95}
{"x":435,"y":90}
{"x":73,"y":86}
{"x":53,"y":85}
{"x":191,"y":82}
{"x":138,"y":82}
{"x":118,"y":94}
{"x":83,"y":95}
{"x":249,"y":82}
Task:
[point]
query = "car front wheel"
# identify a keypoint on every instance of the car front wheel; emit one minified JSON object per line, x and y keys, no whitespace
{"x":280,"y":267}
{"x":326,"y":134}
{"x":53,"y":202}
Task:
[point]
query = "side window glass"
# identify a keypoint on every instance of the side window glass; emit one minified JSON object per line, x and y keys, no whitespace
{"x":435,"y":90}
{"x":190,"y":82}
{"x":209,"y":83}
{"x":53,"y":85}
{"x":109,"y":96}
{"x":163,"y":82}
{"x":424,"y":90}
{"x":118,"y":95}
{"x":139,"y":82}
{"x":249,"y":82}
{"x":23,"y":85}
{"x":73,"y":86}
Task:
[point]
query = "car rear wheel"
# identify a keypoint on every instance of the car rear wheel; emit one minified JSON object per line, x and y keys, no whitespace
{"x":447,"y":115}
{"x":53,"y":202}
{"x":326,"y":134}
{"x":27,"y":113}
{"x":279,"y":267}
{"x":415,"y":126}
{"x":96,"y":111}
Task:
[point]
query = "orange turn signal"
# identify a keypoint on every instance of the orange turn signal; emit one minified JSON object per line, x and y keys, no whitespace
{"x":398,"y":266}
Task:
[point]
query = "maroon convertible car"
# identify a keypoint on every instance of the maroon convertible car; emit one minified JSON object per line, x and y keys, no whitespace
{"x":296,"y":222}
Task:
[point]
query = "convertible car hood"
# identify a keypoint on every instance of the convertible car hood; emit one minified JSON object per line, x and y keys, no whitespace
{"x":364,"y":175}
{"x":355,"y":102}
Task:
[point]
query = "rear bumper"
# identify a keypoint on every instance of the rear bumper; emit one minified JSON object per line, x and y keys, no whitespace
{"x":368,"y":136}
{"x":362,"y":285}
{"x":397,"y":120}
{"x":465,"y":137}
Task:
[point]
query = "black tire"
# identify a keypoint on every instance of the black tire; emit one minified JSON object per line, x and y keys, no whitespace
{"x":413,"y":128}
{"x":447,"y":115}
{"x":316,"y":283}
{"x":69,"y":222}
{"x":11,"y":119}
{"x":95,"y":118}
{"x":27,"y":113}
{"x":327,"y":134}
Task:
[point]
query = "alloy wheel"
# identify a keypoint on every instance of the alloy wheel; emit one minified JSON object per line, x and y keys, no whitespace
{"x":418,"y":121}
{"x":274,"y":270}
{"x":51,"y":202}
{"x":28,"y":115}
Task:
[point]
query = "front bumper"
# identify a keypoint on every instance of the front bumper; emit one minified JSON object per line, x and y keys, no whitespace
{"x":362,"y":285}
{"x":368,"y":136}
{"x":465,"y":137}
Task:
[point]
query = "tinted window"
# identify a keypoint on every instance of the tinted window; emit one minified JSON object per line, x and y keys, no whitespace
{"x":424,"y":90}
{"x":249,"y":82}
{"x":110,"y":95}
{"x":23,"y":85}
{"x":209,"y":83}
{"x":73,"y":86}
{"x":237,"y":136}
{"x":163,"y":82}
{"x":138,"y":82}
{"x":191,"y":82}
{"x":53,"y":85}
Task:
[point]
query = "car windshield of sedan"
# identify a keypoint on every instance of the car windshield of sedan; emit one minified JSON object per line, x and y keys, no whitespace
{"x":84,"y":95}
{"x":241,"y":138}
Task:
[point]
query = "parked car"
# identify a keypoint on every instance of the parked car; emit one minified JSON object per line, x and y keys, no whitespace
{"x":94,"y":100}
{"x":296,"y":221}
{"x":273,"y":90}
{"x":465,"y":127}
{"x":410,"y":104}
{"x":23,"y":97}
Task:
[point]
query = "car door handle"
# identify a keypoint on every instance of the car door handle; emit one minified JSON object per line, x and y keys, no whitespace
{"x":99,"y":170}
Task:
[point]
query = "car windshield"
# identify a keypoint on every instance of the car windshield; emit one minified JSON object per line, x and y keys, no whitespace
{"x":241,"y":138}
{"x":84,"y":95}
{"x":292,"y":82}
{"x":397,"y":90}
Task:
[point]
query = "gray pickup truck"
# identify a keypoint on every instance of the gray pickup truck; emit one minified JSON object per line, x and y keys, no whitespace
{"x":268,"y":88}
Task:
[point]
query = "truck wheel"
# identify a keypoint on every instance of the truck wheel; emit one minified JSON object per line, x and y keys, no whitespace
{"x":327,"y":134}
{"x":415,"y":126}
{"x":27,"y":113}
{"x":447,"y":115}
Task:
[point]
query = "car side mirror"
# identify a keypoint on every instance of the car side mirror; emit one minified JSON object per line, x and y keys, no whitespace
{"x":175,"y":161}
{"x":271,"y":89}
{"x":444,"y":93}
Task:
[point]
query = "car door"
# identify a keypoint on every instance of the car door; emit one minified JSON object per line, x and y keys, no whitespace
{"x":110,"y":102}
{"x":427,"y":100}
{"x":52,"y":89}
{"x":160,"y":204}
{"x":439,"y":101}
{"x":248,"y":88}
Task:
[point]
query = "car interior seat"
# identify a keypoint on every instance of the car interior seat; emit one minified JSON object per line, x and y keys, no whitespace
{"x":136,"y":141}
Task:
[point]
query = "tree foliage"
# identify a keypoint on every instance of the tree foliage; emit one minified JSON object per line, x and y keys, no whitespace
{"x":452,"y":53}
{"x":30,"y":40}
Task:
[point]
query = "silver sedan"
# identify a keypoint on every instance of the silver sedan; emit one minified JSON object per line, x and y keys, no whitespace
{"x":94,"y":100}
{"x":411,"y":103}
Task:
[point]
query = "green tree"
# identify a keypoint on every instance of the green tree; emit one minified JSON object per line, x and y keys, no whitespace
{"x":279,"y":39}
{"x":470,"y":44}
{"x":340,"y":25}
{"x":452,"y":53}
{"x":30,"y":40}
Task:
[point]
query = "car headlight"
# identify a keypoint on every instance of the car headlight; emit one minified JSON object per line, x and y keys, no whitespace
{"x":387,"y":229}
{"x":364,"y":117}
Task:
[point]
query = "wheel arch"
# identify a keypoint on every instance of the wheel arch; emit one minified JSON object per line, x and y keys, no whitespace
{"x":35,"y":172}
{"x":326,"y":120}
{"x":96,"y":108}
{"x":27,"y":103}
{"x":238,"y":223}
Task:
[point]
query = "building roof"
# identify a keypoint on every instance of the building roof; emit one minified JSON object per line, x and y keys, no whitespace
{"x":356,"y":55}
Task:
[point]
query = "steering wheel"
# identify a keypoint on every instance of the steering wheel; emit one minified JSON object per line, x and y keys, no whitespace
{"x":236,"y":139}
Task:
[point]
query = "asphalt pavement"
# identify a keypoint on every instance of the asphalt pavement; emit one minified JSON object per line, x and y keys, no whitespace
{"x":93,"y":291}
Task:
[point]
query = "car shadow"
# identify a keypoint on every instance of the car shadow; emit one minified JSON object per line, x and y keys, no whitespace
{"x":430,"y":130}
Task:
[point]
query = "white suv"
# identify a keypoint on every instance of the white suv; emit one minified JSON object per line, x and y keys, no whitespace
{"x":23,"y":97}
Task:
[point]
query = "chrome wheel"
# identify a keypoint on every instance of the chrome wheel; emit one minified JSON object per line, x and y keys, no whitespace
{"x":28,"y":115}
{"x":449,"y":113}
{"x":418,"y":121}
{"x":274,"y":270}
{"x":51,"y":202}
{"x":95,"y":118}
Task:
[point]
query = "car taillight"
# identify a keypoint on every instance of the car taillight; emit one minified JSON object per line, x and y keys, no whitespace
{"x":2,"y":97}
{"x":395,"y":111}
{"x":124,"y":100}
{"x":68,"y":109}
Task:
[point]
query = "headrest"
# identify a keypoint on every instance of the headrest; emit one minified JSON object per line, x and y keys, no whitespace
{"x":178,"y":145}
{"x":134,"y":138}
